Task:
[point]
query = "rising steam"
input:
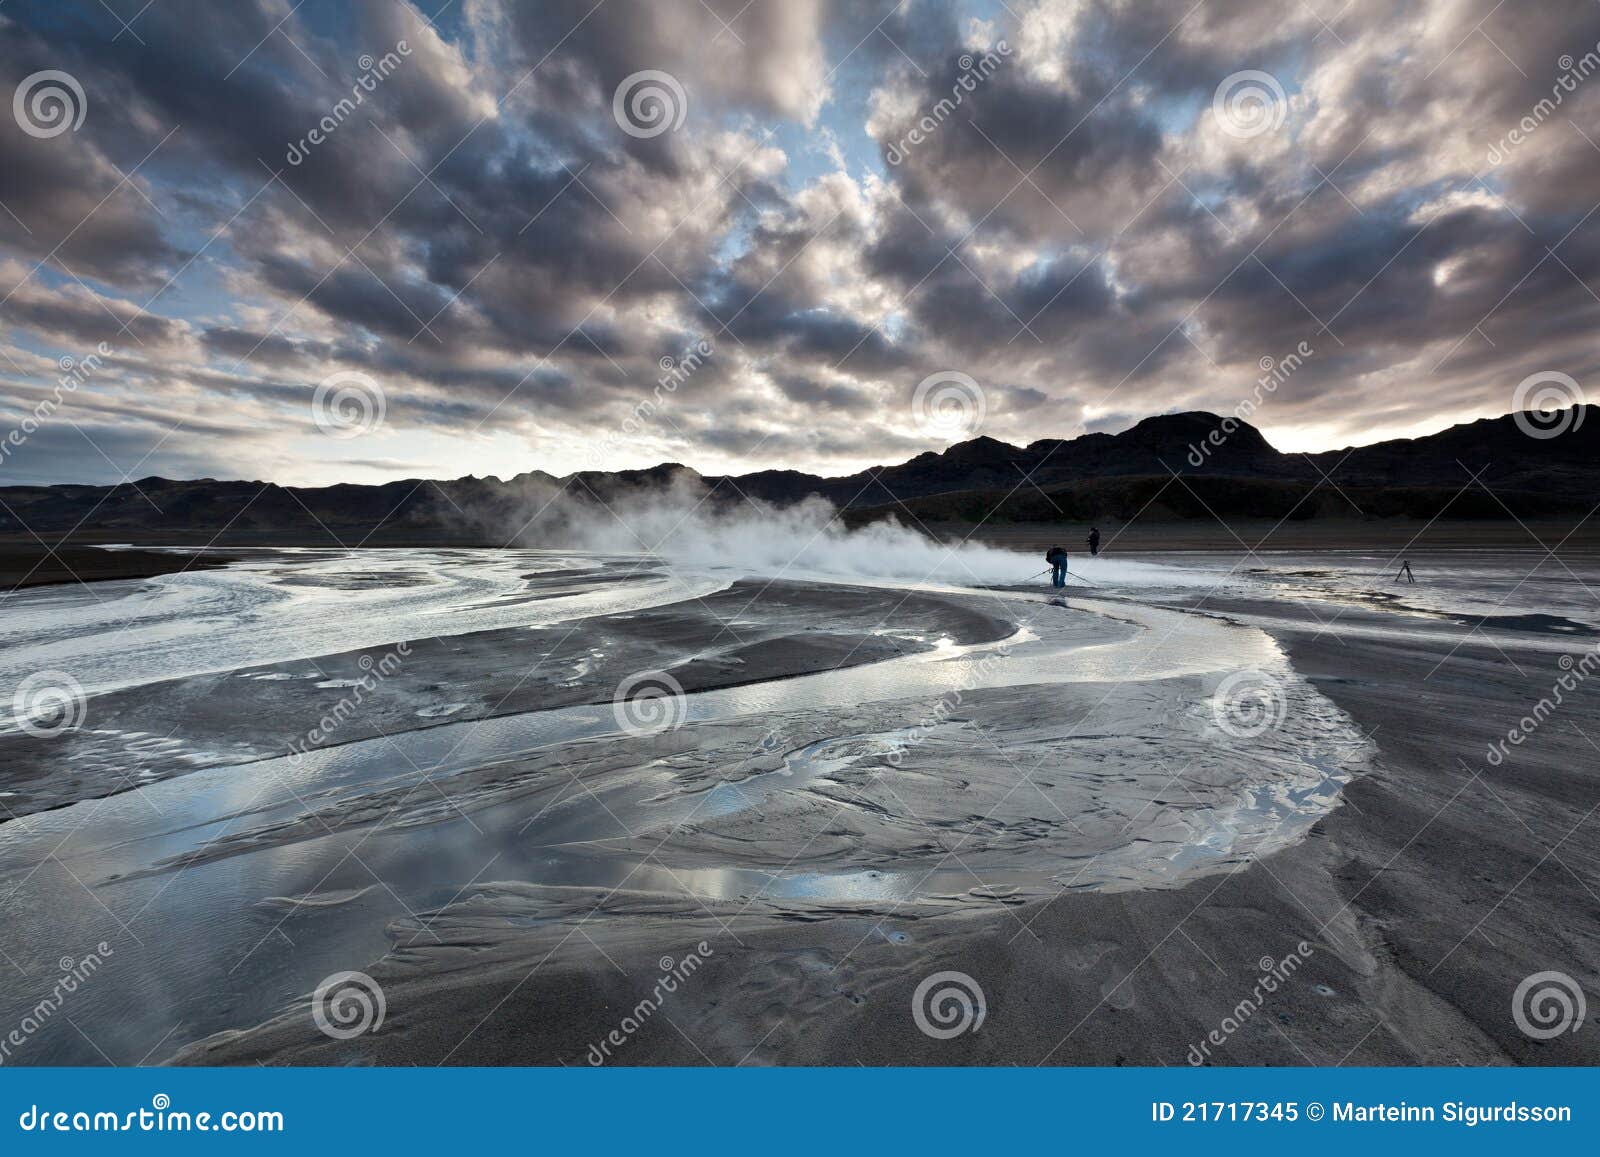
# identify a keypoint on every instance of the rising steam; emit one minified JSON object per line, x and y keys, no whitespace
{"x":678,"y":523}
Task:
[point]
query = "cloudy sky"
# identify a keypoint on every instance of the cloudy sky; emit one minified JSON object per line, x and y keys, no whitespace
{"x":323,"y":242}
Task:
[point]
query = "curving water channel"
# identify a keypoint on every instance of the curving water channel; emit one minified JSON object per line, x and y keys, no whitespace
{"x":1080,"y":752}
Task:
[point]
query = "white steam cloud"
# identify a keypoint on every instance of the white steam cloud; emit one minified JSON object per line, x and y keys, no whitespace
{"x":797,"y":541}
{"x":680,"y":525}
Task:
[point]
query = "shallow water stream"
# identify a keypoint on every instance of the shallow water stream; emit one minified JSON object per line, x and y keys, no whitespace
{"x":220,"y":901}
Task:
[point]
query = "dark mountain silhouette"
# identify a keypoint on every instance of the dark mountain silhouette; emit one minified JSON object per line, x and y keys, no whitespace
{"x":1166,"y":467}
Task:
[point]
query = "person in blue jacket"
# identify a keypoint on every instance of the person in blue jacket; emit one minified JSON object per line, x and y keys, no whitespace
{"x":1057,"y":558}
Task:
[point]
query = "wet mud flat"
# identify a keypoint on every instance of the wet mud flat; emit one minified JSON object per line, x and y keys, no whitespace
{"x":231,"y":892}
{"x":751,"y":631}
{"x":823,"y":858}
{"x":1038,"y":797}
{"x":1410,"y":912}
{"x":24,"y":565}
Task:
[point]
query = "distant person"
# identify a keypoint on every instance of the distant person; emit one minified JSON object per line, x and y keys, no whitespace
{"x":1094,"y":542}
{"x":1057,"y":558}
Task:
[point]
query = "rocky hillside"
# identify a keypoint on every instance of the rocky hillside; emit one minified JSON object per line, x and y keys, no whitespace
{"x":1097,"y":476}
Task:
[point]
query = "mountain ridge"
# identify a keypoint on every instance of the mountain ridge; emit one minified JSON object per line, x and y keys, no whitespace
{"x":1184,"y":465}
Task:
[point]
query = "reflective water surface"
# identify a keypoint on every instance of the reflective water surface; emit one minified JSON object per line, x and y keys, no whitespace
{"x":223,"y":895}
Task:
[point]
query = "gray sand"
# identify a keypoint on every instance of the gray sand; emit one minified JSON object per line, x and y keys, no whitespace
{"x":1073,"y":832}
{"x":751,"y":632}
{"x":1438,"y":884}
{"x":24,"y":565}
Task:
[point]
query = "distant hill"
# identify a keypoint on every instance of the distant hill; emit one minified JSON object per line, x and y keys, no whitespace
{"x":1106,"y":477}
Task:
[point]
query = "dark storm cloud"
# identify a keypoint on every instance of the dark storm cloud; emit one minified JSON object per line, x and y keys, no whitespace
{"x":78,"y":318}
{"x":841,"y":399}
{"x":103,"y":453}
{"x":1078,"y":231}
{"x":71,"y":206}
{"x":769,"y":63}
{"x":267,"y":348}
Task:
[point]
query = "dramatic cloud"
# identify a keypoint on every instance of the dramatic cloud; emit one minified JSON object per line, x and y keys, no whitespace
{"x":619,"y":232}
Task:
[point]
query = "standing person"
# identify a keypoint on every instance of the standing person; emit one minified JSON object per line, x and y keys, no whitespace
{"x":1057,"y":558}
{"x":1094,"y":542}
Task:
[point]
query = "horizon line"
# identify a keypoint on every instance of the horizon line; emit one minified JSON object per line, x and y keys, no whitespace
{"x":979,"y":436}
